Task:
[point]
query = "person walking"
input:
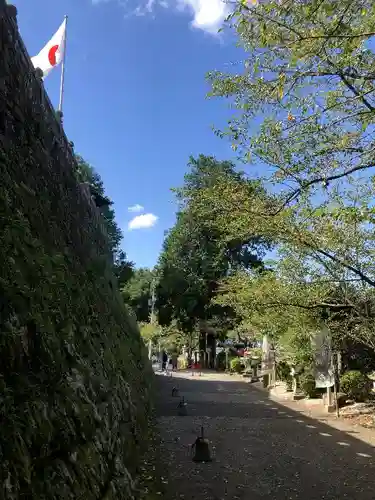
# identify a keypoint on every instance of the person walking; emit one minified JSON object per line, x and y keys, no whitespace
{"x":164,"y":361}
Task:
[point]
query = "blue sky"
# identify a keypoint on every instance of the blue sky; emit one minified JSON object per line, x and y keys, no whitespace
{"x":135,"y":104}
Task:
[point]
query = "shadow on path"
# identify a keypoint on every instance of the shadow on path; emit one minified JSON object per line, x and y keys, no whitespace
{"x":261,"y":449}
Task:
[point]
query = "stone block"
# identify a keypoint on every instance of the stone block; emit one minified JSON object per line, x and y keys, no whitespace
{"x":298,"y":396}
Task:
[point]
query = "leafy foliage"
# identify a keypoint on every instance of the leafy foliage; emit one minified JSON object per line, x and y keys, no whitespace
{"x":355,"y":385}
{"x":150,"y":331}
{"x":87,"y":174}
{"x":123,"y":269}
{"x":196,"y":254}
{"x":305,"y":87}
{"x":137,"y":293}
{"x":307,"y":384}
{"x":304,"y":114}
{"x":283,"y":371}
{"x":167,"y":337}
{"x":236,"y":365}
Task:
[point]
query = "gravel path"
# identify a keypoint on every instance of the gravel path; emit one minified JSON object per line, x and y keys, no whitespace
{"x":261,"y":449}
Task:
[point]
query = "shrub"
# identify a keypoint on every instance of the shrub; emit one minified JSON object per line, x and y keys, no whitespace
{"x":355,"y":385}
{"x":236,"y":365}
{"x":283,"y":371}
{"x":307,"y":384}
{"x":283,"y":374}
{"x":182,"y":363}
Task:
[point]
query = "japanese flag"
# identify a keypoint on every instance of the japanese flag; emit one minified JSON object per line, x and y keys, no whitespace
{"x":52,"y":54}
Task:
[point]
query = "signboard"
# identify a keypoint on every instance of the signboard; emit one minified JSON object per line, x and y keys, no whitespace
{"x":324,"y":374}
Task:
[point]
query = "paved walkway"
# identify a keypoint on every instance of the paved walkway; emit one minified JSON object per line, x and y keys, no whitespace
{"x":262,"y":449}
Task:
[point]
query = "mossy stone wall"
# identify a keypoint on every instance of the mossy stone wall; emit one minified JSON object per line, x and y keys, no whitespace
{"x":74,"y":379}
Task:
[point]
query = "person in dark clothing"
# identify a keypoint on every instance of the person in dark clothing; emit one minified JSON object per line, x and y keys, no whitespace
{"x":164,"y":362}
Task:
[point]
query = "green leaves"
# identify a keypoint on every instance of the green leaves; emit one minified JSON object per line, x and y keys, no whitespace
{"x":197,"y":252}
{"x":86,"y":173}
{"x":304,"y":115}
{"x":136,"y":292}
{"x":307,"y":68}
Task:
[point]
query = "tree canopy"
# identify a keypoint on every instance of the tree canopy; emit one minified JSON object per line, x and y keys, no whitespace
{"x":86,"y":173}
{"x":196,"y":253}
{"x":289,"y":244}
{"x":137,"y":293}
{"x":304,"y":114}
{"x":123,"y":268}
{"x":304,"y":94}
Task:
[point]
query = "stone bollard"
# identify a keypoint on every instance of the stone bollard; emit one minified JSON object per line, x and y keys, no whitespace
{"x":201,"y":448}
{"x":182,"y":408}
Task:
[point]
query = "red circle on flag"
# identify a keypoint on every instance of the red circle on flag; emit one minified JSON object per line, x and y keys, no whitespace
{"x":52,"y":55}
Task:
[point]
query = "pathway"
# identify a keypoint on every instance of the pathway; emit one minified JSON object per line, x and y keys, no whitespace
{"x":262,"y":450}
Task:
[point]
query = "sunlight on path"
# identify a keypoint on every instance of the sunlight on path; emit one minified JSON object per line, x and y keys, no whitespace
{"x":258,"y":451}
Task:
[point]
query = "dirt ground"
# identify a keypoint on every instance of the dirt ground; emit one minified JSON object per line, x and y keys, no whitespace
{"x":261,"y":448}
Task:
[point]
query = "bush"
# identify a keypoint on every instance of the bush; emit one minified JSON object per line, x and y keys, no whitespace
{"x":355,"y":385}
{"x":283,"y":371}
{"x":283,"y":374}
{"x":307,"y":384}
{"x":182,"y":363}
{"x":236,"y":365}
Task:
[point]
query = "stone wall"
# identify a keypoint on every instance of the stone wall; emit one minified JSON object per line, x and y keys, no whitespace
{"x":74,"y":379}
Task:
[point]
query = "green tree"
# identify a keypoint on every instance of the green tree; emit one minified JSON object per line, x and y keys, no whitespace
{"x":304,"y":94}
{"x":150,"y":331}
{"x":167,"y":337}
{"x":86,"y":173}
{"x":323,"y":261}
{"x":304,"y":114}
{"x":305,"y":110}
{"x":137,"y":293}
{"x":123,"y":268}
{"x":196,"y":254}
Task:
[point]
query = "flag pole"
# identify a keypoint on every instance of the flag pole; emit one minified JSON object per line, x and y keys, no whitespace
{"x":63,"y":67}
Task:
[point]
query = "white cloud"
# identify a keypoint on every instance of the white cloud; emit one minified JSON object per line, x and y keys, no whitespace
{"x":143,"y":221}
{"x":136,"y":208}
{"x":207,"y":15}
{"x":144,"y":8}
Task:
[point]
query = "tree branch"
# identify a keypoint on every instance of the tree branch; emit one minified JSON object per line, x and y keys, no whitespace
{"x":308,"y":307}
{"x":316,"y":180}
{"x":356,"y":92}
{"x":342,"y":263}
{"x":347,"y":37}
